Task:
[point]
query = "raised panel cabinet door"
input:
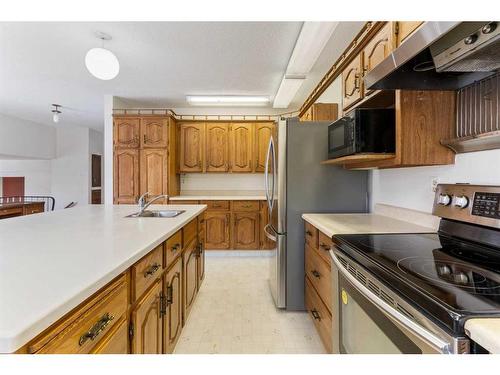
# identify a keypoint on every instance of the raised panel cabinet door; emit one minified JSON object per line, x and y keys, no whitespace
{"x":126,"y":176}
{"x":154,"y":172}
{"x":126,"y":132}
{"x":246,"y":230}
{"x":241,"y":147}
{"x":404,"y":29}
{"x":377,"y":50}
{"x":217,"y":230}
{"x":154,"y":132}
{"x":351,"y":83}
{"x":115,"y":342}
{"x":263,"y":132}
{"x":172,"y":321}
{"x":147,"y":324}
{"x":190,"y":277}
{"x":217,"y":148}
{"x":192,"y":138}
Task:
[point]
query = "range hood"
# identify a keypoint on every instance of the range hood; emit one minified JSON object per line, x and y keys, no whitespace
{"x":440,"y":56}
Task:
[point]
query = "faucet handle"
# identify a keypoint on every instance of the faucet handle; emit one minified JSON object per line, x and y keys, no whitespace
{"x":142,"y":198}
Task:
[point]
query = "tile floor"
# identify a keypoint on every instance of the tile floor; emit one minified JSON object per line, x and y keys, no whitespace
{"x":234,"y":313}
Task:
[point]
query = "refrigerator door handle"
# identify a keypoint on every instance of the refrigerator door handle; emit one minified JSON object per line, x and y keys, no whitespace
{"x":266,"y":172}
{"x":268,"y":234}
{"x":270,"y":150}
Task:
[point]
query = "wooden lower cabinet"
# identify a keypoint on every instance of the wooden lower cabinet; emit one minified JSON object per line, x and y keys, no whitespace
{"x":146,"y":323}
{"x":190,"y":274}
{"x":116,"y":342}
{"x":320,"y":315}
{"x":217,"y":226}
{"x":172,"y":320}
{"x":246,"y":230}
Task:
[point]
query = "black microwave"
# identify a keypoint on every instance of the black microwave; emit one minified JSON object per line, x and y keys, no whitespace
{"x":362,"y":131}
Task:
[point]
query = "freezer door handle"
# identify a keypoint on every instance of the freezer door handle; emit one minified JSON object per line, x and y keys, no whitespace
{"x":269,"y":234}
{"x":269,"y":155}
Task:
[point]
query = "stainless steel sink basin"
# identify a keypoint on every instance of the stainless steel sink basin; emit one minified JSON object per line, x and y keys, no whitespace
{"x":157,"y":213}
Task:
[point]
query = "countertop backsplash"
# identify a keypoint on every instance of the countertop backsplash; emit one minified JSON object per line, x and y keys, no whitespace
{"x":222,"y":181}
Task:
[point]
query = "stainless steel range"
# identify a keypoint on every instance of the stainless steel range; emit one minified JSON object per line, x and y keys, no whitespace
{"x":412,"y":293}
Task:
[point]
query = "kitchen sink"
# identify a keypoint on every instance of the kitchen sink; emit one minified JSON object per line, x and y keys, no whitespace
{"x":157,"y":213}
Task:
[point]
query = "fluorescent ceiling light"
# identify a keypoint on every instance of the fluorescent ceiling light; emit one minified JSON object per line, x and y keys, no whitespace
{"x":288,"y":88}
{"x":227,"y":100}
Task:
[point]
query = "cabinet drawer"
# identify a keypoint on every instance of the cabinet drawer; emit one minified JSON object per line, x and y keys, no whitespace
{"x":245,"y":205}
{"x":217,"y":205}
{"x":34,"y":208}
{"x":320,"y":275}
{"x":320,"y":315}
{"x":190,"y":231}
{"x":146,"y":271}
{"x":311,"y":235}
{"x":15,"y":211}
{"x":115,"y":342}
{"x":84,"y":328}
{"x":325,"y":244}
{"x":173,"y":247}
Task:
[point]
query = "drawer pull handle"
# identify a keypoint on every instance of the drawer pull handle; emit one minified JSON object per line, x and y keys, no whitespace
{"x":176,"y":247}
{"x":155,"y":267}
{"x":309,"y":233}
{"x":324,"y":247}
{"x":315,"y":314}
{"x":96,"y":329}
{"x":316,"y":274}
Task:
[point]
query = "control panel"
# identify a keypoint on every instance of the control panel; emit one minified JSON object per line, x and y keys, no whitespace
{"x":477,"y":204}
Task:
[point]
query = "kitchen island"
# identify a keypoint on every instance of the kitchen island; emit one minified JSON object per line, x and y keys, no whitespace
{"x":69,"y":279}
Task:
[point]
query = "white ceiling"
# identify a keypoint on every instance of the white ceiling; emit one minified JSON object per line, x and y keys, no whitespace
{"x":160,"y":63}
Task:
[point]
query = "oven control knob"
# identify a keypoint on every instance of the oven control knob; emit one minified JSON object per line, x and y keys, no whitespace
{"x":444,"y":270}
{"x":471,"y":39}
{"x":461,"y":278}
{"x":444,"y":199}
{"x":460,"y":202}
{"x":489,"y":28}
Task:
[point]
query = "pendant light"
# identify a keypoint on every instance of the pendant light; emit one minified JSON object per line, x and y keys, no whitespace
{"x":101,"y":62}
{"x":56,"y":112}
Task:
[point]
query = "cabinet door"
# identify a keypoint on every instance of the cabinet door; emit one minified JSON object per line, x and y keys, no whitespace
{"x":241,"y":147}
{"x":351,"y":83}
{"x":146,"y":321}
{"x":263,"y":132}
{"x":246,"y":230}
{"x":153,"y":172}
{"x":172,"y":321}
{"x":201,"y":259}
{"x":217,"y":230}
{"x":217,"y":148}
{"x":115,"y":342}
{"x":405,"y":29}
{"x":190,"y":277}
{"x":154,"y":132}
{"x":192,"y":137}
{"x":377,"y":50}
{"x":265,"y":243}
{"x":126,"y":132}
{"x":126,"y":176}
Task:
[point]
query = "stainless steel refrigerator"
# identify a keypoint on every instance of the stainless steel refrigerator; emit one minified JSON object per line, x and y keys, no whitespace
{"x":296,"y":183}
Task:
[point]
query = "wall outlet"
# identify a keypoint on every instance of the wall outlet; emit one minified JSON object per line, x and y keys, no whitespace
{"x":434,"y":183}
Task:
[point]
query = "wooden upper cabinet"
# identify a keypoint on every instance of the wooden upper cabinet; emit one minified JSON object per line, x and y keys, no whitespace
{"x":241,"y":147}
{"x":404,"y":29}
{"x":154,"y":132}
{"x":154,"y":175}
{"x":263,"y":132}
{"x":351,"y":83}
{"x":126,"y":132}
{"x":217,"y":148}
{"x":377,"y":50}
{"x":321,"y":112}
{"x":172,"y":322}
{"x":217,"y":230}
{"x":246,"y":230}
{"x":191,"y":147}
{"x":126,"y":176}
{"x":147,"y":323}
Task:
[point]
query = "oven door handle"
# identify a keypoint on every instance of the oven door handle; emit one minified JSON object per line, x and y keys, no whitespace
{"x":416,"y":329}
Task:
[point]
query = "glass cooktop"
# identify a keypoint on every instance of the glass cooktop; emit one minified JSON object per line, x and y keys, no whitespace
{"x":449,"y":279}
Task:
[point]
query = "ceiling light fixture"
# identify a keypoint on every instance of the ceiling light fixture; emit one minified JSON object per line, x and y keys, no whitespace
{"x":101,"y":62}
{"x":56,"y":112}
{"x":227,"y":100}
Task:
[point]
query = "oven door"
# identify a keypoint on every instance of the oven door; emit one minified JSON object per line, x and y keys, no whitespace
{"x":366,"y":324}
{"x":341,"y":139}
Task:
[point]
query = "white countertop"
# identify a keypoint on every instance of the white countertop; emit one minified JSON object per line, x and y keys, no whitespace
{"x":220,"y":195}
{"x":331,"y":224}
{"x":486,"y":332}
{"x":51,"y":262}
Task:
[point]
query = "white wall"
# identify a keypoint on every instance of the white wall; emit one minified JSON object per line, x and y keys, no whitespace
{"x":411,"y":187}
{"x":24,"y":139}
{"x":109,"y":104}
{"x":216,"y":181}
{"x":36,"y":174}
{"x":333,"y":94}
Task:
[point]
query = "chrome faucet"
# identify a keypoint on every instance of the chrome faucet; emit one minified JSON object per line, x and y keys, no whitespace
{"x":142,"y":201}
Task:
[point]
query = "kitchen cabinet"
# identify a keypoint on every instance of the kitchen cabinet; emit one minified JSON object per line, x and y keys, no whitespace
{"x":217,"y":225}
{"x":154,"y":172}
{"x":246,"y":230}
{"x":172,"y":320}
{"x":217,"y":147}
{"x":352,"y":90}
{"x":201,"y":249}
{"x":191,"y":148}
{"x":126,"y":176}
{"x":190,"y":277}
{"x":403,"y":29}
{"x":126,"y":132}
{"x":154,"y":132}
{"x":320,"y":316}
{"x":321,"y":112}
{"x":263,"y":132}
{"x":146,"y":323}
{"x":116,"y":342}
{"x":241,"y":147}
